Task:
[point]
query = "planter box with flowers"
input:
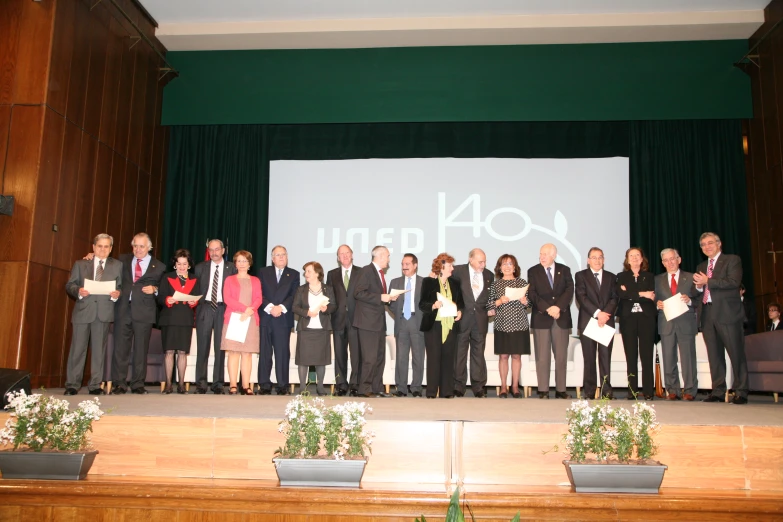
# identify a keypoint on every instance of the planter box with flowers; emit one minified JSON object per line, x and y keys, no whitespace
{"x":49,"y":440}
{"x":612,"y":436}
{"x":323,"y":446}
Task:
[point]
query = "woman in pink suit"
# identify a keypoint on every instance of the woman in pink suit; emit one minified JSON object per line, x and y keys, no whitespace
{"x":242,"y":295}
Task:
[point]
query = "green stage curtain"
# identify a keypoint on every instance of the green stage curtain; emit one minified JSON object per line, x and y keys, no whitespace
{"x":685,"y":176}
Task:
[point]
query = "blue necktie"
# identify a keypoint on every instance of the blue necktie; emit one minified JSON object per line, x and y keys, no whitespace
{"x":549,"y":276}
{"x":279,"y":273}
{"x":406,"y":306}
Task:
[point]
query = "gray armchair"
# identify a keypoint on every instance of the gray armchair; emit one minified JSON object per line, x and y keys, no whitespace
{"x":764,"y":352}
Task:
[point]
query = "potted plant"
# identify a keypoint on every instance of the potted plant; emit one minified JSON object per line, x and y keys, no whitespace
{"x":611,"y":449}
{"x":323,"y":446}
{"x":49,"y":441}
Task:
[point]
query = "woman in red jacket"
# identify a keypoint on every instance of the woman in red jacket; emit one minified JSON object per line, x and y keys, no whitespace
{"x":242,"y":295}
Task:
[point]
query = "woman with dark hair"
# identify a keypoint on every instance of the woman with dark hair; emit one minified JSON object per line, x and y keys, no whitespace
{"x":314,"y":328}
{"x":242,"y":295}
{"x":440,"y":332}
{"x":638,"y":314}
{"x":512,"y":330}
{"x":176,"y":317}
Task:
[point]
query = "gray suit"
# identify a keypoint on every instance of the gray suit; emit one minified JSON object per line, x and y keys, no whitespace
{"x":680,"y":331}
{"x":408,"y":335}
{"x":473,"y":332}
{"x":90,"y":318}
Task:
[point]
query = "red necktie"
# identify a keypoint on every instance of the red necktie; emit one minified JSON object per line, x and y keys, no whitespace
{"x":674,"y":285}
{"x":137,"y":272}
{"x":383,"y":280}
{"x":707,"y":288}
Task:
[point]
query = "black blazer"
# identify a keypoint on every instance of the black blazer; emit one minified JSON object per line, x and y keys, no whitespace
{"x":629,"y":296}
{"x":180,"y":314}
{"x":590,"y":298}
{"x":302,"y":306}
{"x":275,"y":293}
{"x":343,"y":314}
{"x":475,"y":309}
{"x":724,"y":288}
{"x":370,"y":311}
{"x":204,"y":286}
{"x":143,"y":308}
{"x":771,"y":327}
{"x":428,"y":294}
{"x":542,"y":296}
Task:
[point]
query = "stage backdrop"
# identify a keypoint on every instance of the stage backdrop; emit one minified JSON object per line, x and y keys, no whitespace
{"x":685,"y":176}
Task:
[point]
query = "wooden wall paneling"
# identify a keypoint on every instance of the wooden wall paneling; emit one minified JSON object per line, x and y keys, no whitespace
{"x":151,"y":113}
{"x":62,"y":53}
{"x":82,"y":201}
{"x":9,"y":46}
{"x":30,"y":81}
{"x":153,"y":210}
{"x":138,"y":103}
{"x":13,"y":275}
{"x":55,"y":345}
{"x":99,"y":38}
{"x":101,"y":196}
{"x":67,"y":196}
{"x":129,"y":203}
{"x":163,"y":174}
{"x":111,"y":84}
{"x":143,"y":206}
{"x":47,"y":188}
{"x":80,"y":64}
{"x":769,"y":107}
{"x":116,"y":199}
{"x":5,"y":130}
{"x":34,"y":319}
{"x":20,"y":179}
{"x":125,"y":97}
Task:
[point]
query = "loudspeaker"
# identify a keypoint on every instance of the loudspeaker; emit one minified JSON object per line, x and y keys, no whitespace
{"x":14,"y":380}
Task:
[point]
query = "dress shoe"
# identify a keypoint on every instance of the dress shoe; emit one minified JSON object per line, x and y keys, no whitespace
{"x":232,"y":390}
{"x":139,"y":391}
{"x":181,"y":389}
{"x":342,"y":392}
{"x":97,"y":391}
{"x":383,"y":395}
{"x":672,"y":397}
{"x":738,"y":399}
{"x":480,"y":395}
{"x":712,"y":398}
{"x":201,"y":391}
{"x":264,"y":391}
{"x":502,"y":395}
{"x":649,"y":397}
{"x":400,"y":394}
{"x":119,"y":390}
{"x":71,"y":391}
{"x":458,"y":393}
{"x":367,"y":395}
{"x":354,"y":392}
{"x":167,"y":390}
{"x":543,"y":395}
{"x":688,"y":397}
{"x":631,"y":397}
{"x":517,"y":395}
{"x":430,"y":397}
{"x":283,"y":391}
{"x":416,"y":394}
{"x":609,"y":397}
{"x":447,"y":397}
{"x":562,"y":395}
{"x":217,"y":390}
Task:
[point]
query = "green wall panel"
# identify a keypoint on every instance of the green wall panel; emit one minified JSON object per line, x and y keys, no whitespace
{"x":596,"y":82}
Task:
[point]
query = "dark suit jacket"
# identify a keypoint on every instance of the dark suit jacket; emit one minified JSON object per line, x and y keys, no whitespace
{"x":346,"y":304}
{"x":475,"y":309}
{"x":91,"y":307}
{"x":180,"y":314}
{"x":429,"y":294}
{"x":204,"y":285}
{"x":771,"y":328}
{"x":278,"y":294}
{"x":629,"y":296}
{"x":397,"y":306}
{"x":143,"y":308}
{"x":370,"y":312}
{"x":302,"y":306}
{"x":724,"y":288}
{"x":590,"y":298}
{"x":542,"y":296}
{"x":686,"y":322}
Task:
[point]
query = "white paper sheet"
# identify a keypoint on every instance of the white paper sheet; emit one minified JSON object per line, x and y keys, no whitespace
{"x":395,"y":291}
{"x":674,"y":307}
{"x":449,"y":308}
{"x":100,"y":287}
{"x":179,"y":296}
{"x":319,"y":301}
{"x":516,"y":293}
{"x":601,"y":334}
{"x":237,"y":329}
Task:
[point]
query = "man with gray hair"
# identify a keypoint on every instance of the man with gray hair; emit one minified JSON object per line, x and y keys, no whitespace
{"x":91,"y":314}
{"x":679,"y":331}
{"x":346,"y":339}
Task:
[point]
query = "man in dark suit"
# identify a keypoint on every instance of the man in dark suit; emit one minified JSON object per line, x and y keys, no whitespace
{"x":210,"y":276}
{"x":597,"y":299}
{"x":773,"y":312}
{"x":407,"y":324}
{"x":719,"y":279}
{"x":474,"y":280}
{"x":91,"y":315}
{"x":372,"y":295}
{"x":278,"y":286}
{"x":136,"y":311}
{"x":680,"y":331}
{"x":551,"y":292}
{"x":346,"y":339}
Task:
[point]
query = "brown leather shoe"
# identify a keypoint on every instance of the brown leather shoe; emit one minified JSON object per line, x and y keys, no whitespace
{"x":672,"y":397}
{"x":688,"y":397}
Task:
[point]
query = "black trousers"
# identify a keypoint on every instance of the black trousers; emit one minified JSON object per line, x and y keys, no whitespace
{"x":275,"y":340}
{"x":346,"y":346}
{"x":208,"y":321}
{"x":638,"y":333}
{"x":440,"y":361}
{"x":373,"y":346}
{"x":589,"y":349}
{"x":129,"y":333}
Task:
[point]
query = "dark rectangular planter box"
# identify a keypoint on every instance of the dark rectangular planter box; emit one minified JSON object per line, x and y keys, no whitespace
{"x":46,"y":465}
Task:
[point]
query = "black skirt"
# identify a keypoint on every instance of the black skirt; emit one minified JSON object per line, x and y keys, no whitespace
{"x":512,"y":343}
{"x":176,"y":338}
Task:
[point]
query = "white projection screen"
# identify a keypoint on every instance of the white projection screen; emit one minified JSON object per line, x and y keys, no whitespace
{"x":427,"y":206}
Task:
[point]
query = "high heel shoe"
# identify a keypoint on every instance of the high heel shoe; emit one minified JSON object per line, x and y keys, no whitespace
{"x":516,"y":394}
{"x":232,"y":390}
{"x":247,"y":391}
{"x":167,"y":390}
{"x":181,"y":389}
{"x":503,"y":394}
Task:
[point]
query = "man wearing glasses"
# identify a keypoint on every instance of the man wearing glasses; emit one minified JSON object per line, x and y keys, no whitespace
{"x":719,"y":279}
{"x":278,"y":286}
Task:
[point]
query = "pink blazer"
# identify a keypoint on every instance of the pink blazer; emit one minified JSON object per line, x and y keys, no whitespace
{"x":231,"y":297}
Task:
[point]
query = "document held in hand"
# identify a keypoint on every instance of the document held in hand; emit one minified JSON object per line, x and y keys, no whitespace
{"x":515,"y":294}
{"x":674,"y":307}
{"x":449,"y":308}
{"x":395,"y":292}
{"x":320,"y":300}
{"x":179,"y":296}
{"x":600,"y":334}
{"x":237,"y":329}
{"x":100,"y":287}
